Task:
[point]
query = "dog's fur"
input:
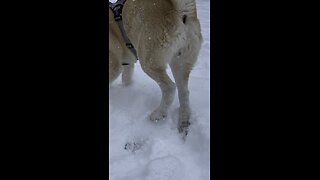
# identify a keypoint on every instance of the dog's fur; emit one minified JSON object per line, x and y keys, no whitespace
{"x":163,"y":32}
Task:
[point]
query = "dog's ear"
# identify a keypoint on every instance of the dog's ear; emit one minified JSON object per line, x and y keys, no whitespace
{"x":184,"y":19}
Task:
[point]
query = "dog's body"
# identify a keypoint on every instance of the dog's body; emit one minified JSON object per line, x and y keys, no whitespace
{"x":163,"y":32}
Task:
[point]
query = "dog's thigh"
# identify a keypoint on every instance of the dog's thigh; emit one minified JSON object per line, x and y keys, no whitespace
{"x":154,"y":65}
{"x":114,"y":67}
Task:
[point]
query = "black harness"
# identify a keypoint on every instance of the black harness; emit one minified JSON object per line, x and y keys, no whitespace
{"x":116,"y":8}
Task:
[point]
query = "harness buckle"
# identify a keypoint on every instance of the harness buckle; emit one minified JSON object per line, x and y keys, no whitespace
{"x":129,"y":45}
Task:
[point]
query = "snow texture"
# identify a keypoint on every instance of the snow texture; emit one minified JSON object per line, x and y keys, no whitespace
{"x":142,"y":150}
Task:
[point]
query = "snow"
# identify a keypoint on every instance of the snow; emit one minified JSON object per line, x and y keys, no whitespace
{"x":142,"y":150}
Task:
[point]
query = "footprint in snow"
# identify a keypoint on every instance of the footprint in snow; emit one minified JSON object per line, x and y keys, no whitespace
{"x":136,"y":145}
{"x":165,"y":168}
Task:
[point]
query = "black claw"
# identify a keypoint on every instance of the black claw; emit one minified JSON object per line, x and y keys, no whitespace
{"x":184,"y":128}
{"x":185,"y":124}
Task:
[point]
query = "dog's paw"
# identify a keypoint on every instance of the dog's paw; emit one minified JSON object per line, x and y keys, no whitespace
{"x":184,"y":121}
{"x":183,"y":128}
{"x":157,"y":115}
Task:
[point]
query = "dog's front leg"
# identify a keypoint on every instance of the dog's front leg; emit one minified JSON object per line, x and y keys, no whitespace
{"x":127,"y":74}
{"x":128,"y":61}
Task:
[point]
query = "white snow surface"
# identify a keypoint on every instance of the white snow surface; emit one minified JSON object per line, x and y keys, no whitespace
{"x":142,"y":150}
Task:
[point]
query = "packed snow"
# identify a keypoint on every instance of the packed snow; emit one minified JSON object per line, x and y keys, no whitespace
{"x":142,"y":150}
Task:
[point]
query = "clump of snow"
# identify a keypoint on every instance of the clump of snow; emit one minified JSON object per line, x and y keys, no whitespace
{"x":142,"y":150}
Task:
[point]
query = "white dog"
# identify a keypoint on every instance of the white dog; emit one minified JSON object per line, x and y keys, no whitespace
{"x":163,"y":32}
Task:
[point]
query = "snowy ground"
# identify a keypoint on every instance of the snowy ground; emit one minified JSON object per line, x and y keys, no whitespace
{"x":142,"y":150}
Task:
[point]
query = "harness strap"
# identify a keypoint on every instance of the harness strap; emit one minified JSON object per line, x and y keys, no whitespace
{"x":116,"y":8}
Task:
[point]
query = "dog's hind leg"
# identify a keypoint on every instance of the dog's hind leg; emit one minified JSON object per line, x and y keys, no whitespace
{"x":181,"y":67}
{"x":156,"y":69}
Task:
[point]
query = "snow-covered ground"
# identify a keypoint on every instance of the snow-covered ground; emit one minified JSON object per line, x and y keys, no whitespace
{"x":142,"y":150}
